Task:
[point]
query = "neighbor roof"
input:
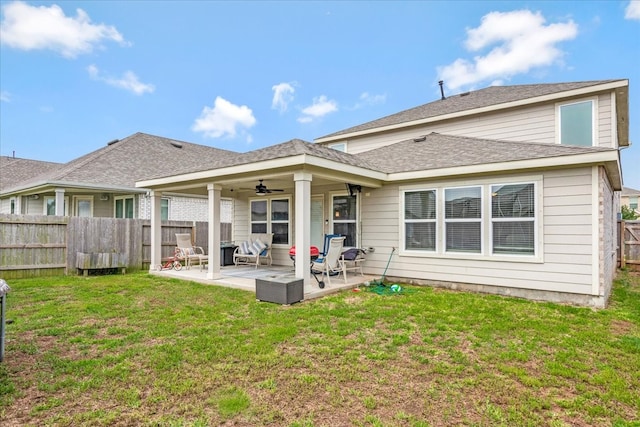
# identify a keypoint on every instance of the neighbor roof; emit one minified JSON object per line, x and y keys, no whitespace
{"x":491,"y":96}
{"x":123,"y":162}
{"x":14,"y":170}
{"x":627,"y":191}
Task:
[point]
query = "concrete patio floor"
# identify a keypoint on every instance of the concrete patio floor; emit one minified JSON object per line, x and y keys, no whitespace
{"x":244,"y":277}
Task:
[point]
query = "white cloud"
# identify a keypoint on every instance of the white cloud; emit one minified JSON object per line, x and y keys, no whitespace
{"x":366,"y":99}
{"x":129,"y":81}
{"x":282,"y":96}
{"x":520,"y":40}
{"x":28,"y":27}
{"x":5,"y":96}
{"x":223,"y":119}
{"x":321,"y":107}
{"x":633,"y":10}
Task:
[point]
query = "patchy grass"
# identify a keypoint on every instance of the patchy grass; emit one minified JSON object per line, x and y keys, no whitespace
{"x":144,"y":350}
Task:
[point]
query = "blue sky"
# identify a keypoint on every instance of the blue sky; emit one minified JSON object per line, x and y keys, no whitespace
{"x":244,"y":75}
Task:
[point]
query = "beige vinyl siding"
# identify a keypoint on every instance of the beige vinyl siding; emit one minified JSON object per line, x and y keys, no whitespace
{"x":567,"y":249}
{"x":536,"y":123}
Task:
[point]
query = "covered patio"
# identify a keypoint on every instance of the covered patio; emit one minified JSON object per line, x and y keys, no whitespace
{"x":304,"y":192}
{"x":244,"y":278}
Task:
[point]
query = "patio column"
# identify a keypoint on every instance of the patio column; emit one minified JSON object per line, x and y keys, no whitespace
{"x":215,"y":193}
{"x":59,"y":201}
{"x":156,"y":230}
{"x":303,"y":227}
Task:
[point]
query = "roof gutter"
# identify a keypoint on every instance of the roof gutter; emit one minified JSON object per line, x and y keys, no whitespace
{"x":42,"y":186}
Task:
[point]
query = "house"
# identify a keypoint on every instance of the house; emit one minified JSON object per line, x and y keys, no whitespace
{"x":15,"y":170}
{"x":510,"y":190}
{"x":629,"y":197}
{"x":102,"y":183}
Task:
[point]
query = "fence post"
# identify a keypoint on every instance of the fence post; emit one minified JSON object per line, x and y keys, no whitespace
{"x":622,"y":248}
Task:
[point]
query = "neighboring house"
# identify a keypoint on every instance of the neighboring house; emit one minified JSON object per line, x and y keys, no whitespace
{"x":102,"y":183}
{"x":13,"y":171}
{"x":509,"y":190}
{"x":629,"y":197}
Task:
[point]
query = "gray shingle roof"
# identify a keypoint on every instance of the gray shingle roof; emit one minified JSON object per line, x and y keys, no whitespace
{"x":493,"y":95}
{"x":628,"y":191}
{"x":438,"y":151}
{"x":290,"y":148}
{"x":15,"y":170}
{"x":134,"y":158}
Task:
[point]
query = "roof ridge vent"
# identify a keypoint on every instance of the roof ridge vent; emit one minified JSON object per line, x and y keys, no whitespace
{"x":113,"y":141}
{"x":176,"y":144}
{"x":465,"y":93}
{"x":420,"y":138}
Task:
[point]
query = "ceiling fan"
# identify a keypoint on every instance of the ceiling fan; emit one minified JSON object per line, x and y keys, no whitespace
{"x":262,"y":189}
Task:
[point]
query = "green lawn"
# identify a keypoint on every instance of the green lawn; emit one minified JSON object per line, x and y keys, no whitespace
{"x":142,"y":350}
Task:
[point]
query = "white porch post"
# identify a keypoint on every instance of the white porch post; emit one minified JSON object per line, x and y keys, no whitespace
{"x":59,"y":201}
{"x":156,"y":230}
{"x":303,"y":227}
{"x":215,"y":192}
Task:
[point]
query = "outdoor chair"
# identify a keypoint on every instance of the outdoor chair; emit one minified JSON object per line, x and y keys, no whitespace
{"x":252,"y":251}
{"x":188,"y":252}
{"x":352,"y":260}
{"x":329,"y":264}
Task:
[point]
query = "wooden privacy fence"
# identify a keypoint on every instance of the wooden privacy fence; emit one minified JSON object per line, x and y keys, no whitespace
{"x":33,"y":246}
{"x":629,"y":238}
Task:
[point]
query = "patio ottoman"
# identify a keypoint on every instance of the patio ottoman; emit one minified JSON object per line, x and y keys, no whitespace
{"x":280,"y":289}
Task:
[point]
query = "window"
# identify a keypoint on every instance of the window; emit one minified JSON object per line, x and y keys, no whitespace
{"x":513,"y":218}
{"x":13,"y":206}
{"x":164,"y":209}
{"x":124,"y":207}
{"x":463,"y":219}
{"x":345,"y":218}
{"x":341,"y":146}
{"x":576,"y":123}
{"x":420,"y":220}
{"x":50,"y":205}
{"x":271,"y":216}
{"x":280,"y":221}
{"x":633,"y":203}
{"x":84,"y":206}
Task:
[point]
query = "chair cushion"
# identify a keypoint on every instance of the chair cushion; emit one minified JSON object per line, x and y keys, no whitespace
{"x":244,"y":248}
{"x":189,"y":251}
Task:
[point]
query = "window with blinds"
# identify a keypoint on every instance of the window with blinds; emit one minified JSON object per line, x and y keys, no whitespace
{"x":513,"y":218}
{"x":463,"y":219}
{"x":420,"y":220}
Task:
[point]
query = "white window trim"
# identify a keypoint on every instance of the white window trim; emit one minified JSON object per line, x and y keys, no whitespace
{"x":168,"y":199}
{"x":130,"y":196}
{"x":269,"y":221}
{"x":339,"y":144}
{"x":486,"y":254}
{"x":446,"y":221}
{"x":333,"y":194}
{"x":77,"y":199}
{"x":46,"y":200}
{"x":594,"y":118}
{"x":403,"y":228}
{"x":514,"y":219}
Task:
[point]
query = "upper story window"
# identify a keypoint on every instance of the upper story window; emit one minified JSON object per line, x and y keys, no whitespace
{"x":633,"y":202}
{"x":341,"y":146}
{"x":576,"y":123}
{"x":124,"y":207}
